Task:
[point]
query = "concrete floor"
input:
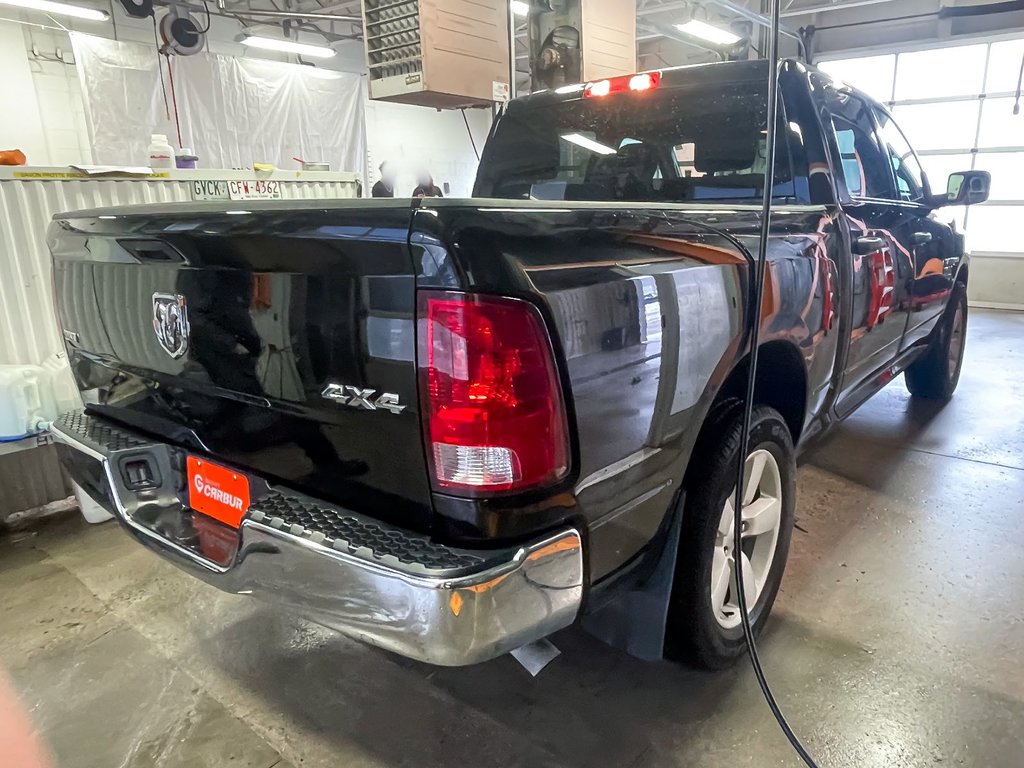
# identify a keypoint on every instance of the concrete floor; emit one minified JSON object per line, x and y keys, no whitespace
{"x":897,"y":639}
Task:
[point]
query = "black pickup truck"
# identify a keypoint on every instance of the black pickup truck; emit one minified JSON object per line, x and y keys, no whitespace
{"x":453,"y":427}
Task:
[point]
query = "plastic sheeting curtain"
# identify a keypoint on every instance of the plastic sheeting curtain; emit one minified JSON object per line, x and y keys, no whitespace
{"x":233,"y":111}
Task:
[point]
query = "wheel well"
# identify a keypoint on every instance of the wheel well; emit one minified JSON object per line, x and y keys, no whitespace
{"x":781,"y":383}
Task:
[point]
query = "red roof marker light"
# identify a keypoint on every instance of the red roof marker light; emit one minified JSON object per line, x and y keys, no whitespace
{"x":600,"y":88}
{"x":645,"y":81}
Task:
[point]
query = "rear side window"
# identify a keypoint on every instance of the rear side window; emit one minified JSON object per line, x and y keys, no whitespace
{"x":680,"y":144}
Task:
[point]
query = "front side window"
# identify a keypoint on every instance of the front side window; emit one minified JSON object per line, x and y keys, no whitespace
{"x":864,"y":163}
{"x":680,"y":144}
{"x":905,"y":166}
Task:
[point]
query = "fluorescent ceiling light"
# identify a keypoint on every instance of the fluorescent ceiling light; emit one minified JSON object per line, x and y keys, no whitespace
{"x":706,"y":31}
{"x":286,"y":46}
{"x":593,"y":146}
{"x":59,"y":9}
{"x":519,"y":8}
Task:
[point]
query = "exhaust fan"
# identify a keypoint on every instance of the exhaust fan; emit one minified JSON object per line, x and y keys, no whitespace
{"x":139,"y":9}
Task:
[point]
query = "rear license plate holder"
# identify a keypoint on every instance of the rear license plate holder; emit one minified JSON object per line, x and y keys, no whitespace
{"x":217,"y":491}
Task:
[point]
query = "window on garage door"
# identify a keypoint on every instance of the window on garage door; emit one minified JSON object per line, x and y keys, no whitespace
{"x":955,"y":105}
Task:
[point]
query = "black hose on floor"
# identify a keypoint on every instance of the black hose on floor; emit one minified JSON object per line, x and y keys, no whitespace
{"x":748,"y":405}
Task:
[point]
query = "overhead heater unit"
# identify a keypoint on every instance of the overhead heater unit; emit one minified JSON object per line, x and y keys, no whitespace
{"x":576,"y":40}
{"x":437,"y":53}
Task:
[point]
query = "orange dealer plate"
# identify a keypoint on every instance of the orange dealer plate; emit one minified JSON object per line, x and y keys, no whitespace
{"x":217,"y":491}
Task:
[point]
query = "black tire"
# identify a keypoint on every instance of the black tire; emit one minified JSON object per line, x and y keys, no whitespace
{"x":934,"y":376}
{"x":695,"y":634}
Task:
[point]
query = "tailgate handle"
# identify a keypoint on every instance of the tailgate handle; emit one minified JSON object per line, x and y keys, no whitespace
{"x":152,"y":251}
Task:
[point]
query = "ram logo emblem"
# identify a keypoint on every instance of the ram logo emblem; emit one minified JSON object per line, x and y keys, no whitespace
{"x":170,"y":323}
{"x":356,"y":397}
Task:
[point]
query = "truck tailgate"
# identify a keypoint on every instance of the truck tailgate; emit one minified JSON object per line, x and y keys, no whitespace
{"x":277,"y":339}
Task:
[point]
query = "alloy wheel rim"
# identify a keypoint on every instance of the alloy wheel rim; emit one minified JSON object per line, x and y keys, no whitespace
{"x":762,"y":520}
{"x":956,"y":342}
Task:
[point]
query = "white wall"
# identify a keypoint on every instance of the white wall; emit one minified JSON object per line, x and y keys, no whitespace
{"x":997,"y":280}
{"x":417,"y":138}
{"x":21,"y":126}
{"x":59,"y":97}
{"x":51,"y":126}
{"x":39,"y":71}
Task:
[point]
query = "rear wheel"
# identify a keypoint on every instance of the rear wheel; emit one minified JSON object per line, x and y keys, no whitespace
{"x":705,"y":627}
{"x":935,"y":375}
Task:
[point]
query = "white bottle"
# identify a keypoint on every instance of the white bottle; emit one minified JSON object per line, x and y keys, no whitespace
{"x":161,"y":154}
{"x":23,"y":400}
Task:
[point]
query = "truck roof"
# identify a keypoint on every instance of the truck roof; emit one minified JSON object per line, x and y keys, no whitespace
{"x":692,"y":74}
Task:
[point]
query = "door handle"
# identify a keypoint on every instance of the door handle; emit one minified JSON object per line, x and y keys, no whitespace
{"x":921,"y":238}
{"x":866,"y":244}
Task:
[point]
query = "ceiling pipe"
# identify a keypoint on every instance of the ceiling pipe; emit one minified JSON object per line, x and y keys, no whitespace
{"x":252,"y":12}
{"x":750,"y":15}
{"x":966,"y":11}
{"x":298,"y":15}
{"x":337,"y":7}
{"x":757,"y":18}
{"x":840,"y":6}
{"x":660,"y":30}
{"x":651,"y":10}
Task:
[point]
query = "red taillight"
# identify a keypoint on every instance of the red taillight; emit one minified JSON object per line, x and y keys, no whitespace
{"x":645,"y":81}
{"x":492,"y":405}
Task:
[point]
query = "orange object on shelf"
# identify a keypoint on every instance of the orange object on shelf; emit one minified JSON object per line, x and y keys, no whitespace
{"x":12,"y":157}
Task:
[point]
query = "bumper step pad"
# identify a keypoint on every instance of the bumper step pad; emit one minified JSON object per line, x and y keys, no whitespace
{"x":345,"y":532}
{"x":304,"y":517}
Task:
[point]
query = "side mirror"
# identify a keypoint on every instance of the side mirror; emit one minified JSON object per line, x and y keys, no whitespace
{"x":968,"y":187}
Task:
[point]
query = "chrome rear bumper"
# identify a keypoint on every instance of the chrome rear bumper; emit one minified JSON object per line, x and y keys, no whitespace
{"x":386,"y":586}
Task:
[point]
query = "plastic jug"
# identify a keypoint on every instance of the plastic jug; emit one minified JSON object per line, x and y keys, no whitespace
{"x":161,"y":154}
{"x":25,"y":402}
{"x":31,"y":396}
{"x":62,"y":385}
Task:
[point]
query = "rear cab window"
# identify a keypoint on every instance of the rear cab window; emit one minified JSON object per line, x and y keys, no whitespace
{"x":694,"y":143}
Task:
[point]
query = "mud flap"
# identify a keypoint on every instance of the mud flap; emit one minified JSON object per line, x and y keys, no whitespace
{"x":635,"y":619}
